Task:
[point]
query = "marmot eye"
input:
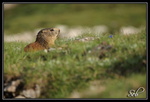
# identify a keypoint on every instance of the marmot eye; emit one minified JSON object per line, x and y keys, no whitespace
{"x":52,"y":30}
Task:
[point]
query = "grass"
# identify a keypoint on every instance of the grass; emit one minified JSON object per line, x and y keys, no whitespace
{"x":62,"y":72}
{"x":26,"y":17}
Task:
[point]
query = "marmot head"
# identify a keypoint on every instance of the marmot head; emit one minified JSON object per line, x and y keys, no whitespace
{"x":48,"y":35}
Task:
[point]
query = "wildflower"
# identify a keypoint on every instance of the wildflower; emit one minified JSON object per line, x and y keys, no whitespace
{"x":110,"y":36}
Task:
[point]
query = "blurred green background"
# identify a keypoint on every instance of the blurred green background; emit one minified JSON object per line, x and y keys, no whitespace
{"x":25,"y":17}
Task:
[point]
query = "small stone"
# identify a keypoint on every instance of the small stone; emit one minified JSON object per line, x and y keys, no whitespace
{"x":10,"y":88}
{"x":85,"y":39}
{"x":51,"y":49}
{"x":32,"y":93}
{"x":20,"y":96}
{"x":144,"y":61}
{"x":101,"y":50}
{"x":45,"y":50}
{"x":16,"y":83}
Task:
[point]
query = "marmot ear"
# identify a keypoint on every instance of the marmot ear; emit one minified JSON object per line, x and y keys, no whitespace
{"x":44,"y":31}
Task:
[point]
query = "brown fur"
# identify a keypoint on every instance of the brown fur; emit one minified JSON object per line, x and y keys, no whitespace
{"x":44,"y":40}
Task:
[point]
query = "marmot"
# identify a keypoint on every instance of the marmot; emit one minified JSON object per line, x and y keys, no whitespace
{"x":44,"y":40}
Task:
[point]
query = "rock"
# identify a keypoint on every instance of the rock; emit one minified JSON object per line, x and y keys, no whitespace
{"x":19,"y":96}
{"x":101,"y":50}
{"x":52,"y":49}
{"x":12,"y":86}
{"x":99,"y":29}
{"x":32,"y":93}
{"x":144,"y":61}
{"x":45,"y":50}
{"x":29,"y":93}
{"x":130,"y":30}
{"x":85,"y":39}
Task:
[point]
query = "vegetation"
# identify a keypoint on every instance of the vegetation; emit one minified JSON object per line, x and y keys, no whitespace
{"x":60,"y":72}
{"x":27,"y":17}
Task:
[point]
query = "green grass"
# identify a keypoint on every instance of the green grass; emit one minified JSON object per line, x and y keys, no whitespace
{"x":26,"y":17}
{"x":61,"y":72}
